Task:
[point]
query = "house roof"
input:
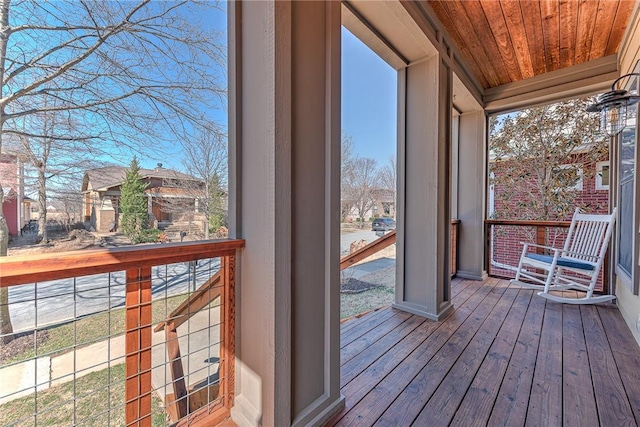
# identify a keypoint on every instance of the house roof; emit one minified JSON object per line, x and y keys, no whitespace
{"x":507,"y":41}
{"x":104,"y":178}
{"x":383,"y":194}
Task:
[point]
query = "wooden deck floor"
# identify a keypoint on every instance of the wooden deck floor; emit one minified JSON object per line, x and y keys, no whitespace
{"x":504,"y":357}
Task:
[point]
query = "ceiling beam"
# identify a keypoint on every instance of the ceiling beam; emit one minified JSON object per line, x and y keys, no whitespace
{"x":370,"y":36}
{"x":583,"y":79}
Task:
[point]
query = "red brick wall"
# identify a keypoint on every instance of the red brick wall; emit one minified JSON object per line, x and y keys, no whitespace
{"x":10,"y":209}
{"x":9,"y":181}
{"x":590,"y":199}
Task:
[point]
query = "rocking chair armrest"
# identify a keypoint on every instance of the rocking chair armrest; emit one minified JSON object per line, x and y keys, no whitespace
{"x":580,"y":254}
{"x":535,"y":245}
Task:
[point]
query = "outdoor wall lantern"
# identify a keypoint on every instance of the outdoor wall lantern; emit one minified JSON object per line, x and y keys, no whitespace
{"x":612,"y":107}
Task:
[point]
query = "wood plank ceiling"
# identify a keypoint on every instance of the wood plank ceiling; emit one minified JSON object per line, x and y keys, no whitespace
{"x":506,"y":41}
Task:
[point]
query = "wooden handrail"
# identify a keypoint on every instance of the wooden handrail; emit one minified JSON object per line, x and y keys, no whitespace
{"x":388,"y":240}
{"x":20,"y":270}
{"x":206,"y":293}
{"x":366,"y":251}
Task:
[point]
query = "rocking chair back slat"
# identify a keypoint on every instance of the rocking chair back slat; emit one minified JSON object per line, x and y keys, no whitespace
{"x":576,"y":266}
{"x":587,"y":238}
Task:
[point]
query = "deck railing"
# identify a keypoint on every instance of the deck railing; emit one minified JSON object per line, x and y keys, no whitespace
{"x":390,"y":239}
{"x":504,"y":248}
{"x":107,"y":366}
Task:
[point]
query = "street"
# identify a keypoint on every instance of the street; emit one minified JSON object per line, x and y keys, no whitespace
{"x":347,"y":238}
{"x":58,"y":301}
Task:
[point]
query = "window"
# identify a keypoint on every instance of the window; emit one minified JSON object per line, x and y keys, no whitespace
{"x":627,"y":244}
{"x":568,"y":176}
{"x":602,"y":176}
{"x":625,"y":200}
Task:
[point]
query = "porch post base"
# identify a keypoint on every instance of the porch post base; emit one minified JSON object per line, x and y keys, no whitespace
{"x":330,"y":409}
{"x":244,"y":413}
{"x":443,"y":312}
{"x":472,"y":275}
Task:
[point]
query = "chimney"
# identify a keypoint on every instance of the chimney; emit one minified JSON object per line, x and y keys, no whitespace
{"x":159,"y":166}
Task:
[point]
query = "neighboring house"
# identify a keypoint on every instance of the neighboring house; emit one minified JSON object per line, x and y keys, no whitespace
{"x":171,"y":195}
{"x":16,"y":205}
{"x":383,"y":205}
{"x":384,"y":202}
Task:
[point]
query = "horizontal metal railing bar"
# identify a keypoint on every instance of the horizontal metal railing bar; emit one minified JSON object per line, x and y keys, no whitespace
{"x":62,"y":265}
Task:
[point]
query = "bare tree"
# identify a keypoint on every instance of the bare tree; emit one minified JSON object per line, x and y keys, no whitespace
{"x":346,"y":174}
{"x":364,"y":179}
{"x":205,"y":157}
{"x":71,"y":206}
{"x":128,"y":72}
{"x":388,"y":174}
{"x":57,"y":154}
{"x":389,"y":177}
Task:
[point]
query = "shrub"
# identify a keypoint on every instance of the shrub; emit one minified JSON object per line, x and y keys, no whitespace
{"x":148,"y":235}
{"x":133,"y":203}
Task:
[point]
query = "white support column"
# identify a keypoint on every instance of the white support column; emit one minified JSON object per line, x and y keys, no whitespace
{"x":472,"y":187}
{"x":285,"y":201}
{"x":423,"y":283}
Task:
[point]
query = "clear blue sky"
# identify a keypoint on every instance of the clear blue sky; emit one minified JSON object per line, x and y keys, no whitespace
{"x":369,"y":100}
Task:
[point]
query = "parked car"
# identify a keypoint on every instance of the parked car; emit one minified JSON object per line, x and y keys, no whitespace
{"x":383,"y":224}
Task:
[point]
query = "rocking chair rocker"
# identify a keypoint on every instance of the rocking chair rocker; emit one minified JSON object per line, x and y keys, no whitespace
{"x":576,"y":266}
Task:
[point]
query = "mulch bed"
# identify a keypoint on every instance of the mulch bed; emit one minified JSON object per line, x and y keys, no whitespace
{"x":21,"y":343}
{"x":355,"y":286}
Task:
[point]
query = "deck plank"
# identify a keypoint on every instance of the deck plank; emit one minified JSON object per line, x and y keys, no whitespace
{"x":365,"y":326}
{"x":625,"y":352}
{"x":354,"y":348}
{"x":578,"y":401}
{"x":355,"y":327}
{"x":353,"y":321}
{"x":545,"y":401}
{"x":613,"y":404}
{"x":504,"y":356}
{"x":353,"y":367}
{"x":510,"y":408}
{"x":443,"y":404}
{"x":476,"y":406}
{"x":401,"y":369}
{"x":412,"y":399}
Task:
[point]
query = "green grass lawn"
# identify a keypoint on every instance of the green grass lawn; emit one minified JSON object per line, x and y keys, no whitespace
{"x":89,"y":398}
{"x":352,"y":304}
{"x":96,"y":398}
{"x":90,"y":329}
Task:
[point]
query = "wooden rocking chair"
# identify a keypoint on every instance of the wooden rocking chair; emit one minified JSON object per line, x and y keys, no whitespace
{"x":576,"y":266}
